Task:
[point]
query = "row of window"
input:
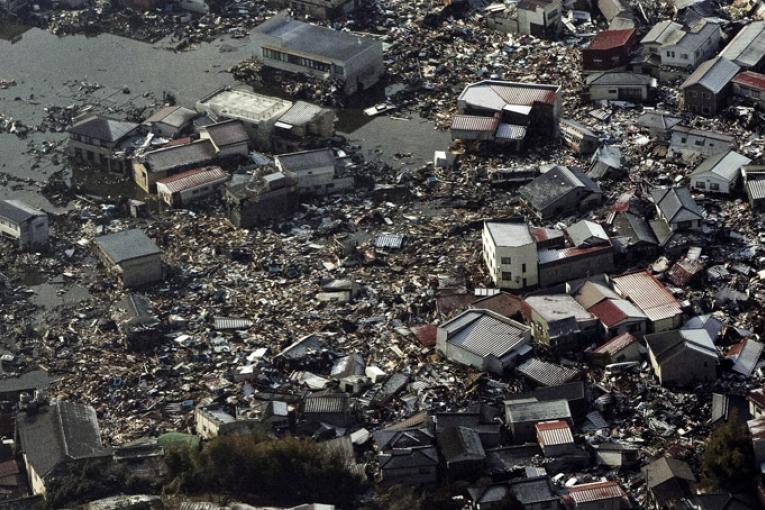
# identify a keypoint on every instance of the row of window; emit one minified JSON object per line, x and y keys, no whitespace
{"x":713,"y":186}
{"x":506,"y":261}
{"x":296,"y":60}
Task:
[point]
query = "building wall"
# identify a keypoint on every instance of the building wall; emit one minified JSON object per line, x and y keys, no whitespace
{"x":611,"y":59}
{"x":602,"y":504}
{"x":512,"y":275}
{"x":137,"y":272}
{"x":190,"y":195}
{"x":268,"y":206}
{"x":540,"y":22}
{"x":35,"y":481}
{"x":691,"y":143}
{"x":457,"y":354}
{"x":96,"y":155}
{"x":667,"y":324}
{"x":704,"y":182}
{"x":205,"y":426}
{"x":420,"y":475}
{"x":750,"y":94}
{"x":699,"y":100}
{"x":637,"y":327}
{"x":618,"y":92}
{"x":575,"y":267}
{"x":687,"y":368}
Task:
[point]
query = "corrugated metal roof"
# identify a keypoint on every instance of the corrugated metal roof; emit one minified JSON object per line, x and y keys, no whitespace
{"x":748,"y":47}
{"x":389,"y":241}
{"x":519,"y":412}
{"x":329,"y":403}
{"x":193,"y":178}
{"x":510,"y":132}
{"x":612,"y":312}
{"x":713,"y":74}
{"x":648,"y":294}
{"x":223,"y":323}
{"x":616,"y":344}
{"x":547,"y":374}
{"x":611,"y":39}
{"x":756,"y":188}
{"x":596,"y":491}
{"x":464,"y":122}
{"x":17,"y":211}
{"x":725,"y":164}
{"x":496,"y":95}
{"x":485,"y":333}
{"x":751,"y":80}
{"x":554,"y":433}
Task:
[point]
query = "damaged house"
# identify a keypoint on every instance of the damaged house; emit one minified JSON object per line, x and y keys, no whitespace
{"x":132,"y":255}
{"x":294,"y":46}
{"x":620,"y":86}
{"x":561,"y":191}
{"x":686,"y":141}
{"x":158,"y":164}
{"x":747,"y":48}
{"x":321,"y":9}
{"x":192,"y":185}
{"x":559,"y":322}
{"x":707,"y":89}
{"x":272,"y":123}
{"x":505,"y":112}
{"x":670,"y":44}
{"x":676,"y":211}
{"x":540,"y":18}
{"x":719,"y":173}
{"x":171,"y":121}
{"x":682,"y":357}
{"x":54,"y":438}
{"x":652,"y":298}
{"x":317,"y":171}
{"x":750,"y":87}
{"x":137,"y":321}
{"x":609,"y":50}
{"x":484,"y":340}
{"x":27,"y":225}
{"x":578,"y":136}
{"x":101,"y":141}
{"x":261,"y":198}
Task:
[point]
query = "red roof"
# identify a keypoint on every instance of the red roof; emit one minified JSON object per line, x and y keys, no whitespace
{"x":193,"y":178}
{"x":464,"y":122}
{"x":608,"y":313}
{"x":611,"y":39}
{"x":751,"y":79}
{"x":426,"y":334}
{"x":597,"y":491}
{"x":616,"y":344}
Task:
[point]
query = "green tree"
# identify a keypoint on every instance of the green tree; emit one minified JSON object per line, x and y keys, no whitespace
{"x":728,"y":461}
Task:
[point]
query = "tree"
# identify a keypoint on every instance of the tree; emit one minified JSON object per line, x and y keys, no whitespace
{"x":728,"y":461}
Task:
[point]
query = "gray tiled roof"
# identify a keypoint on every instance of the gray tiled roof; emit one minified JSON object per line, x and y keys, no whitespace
{"x":103,"y":128}
{"x":713,"y":75}
{"x":306,"y":160}
{"x":554,"y":184}
{"x":57,"y":433}
{"x":725,"y":164}
{"x":519,"y":412}
{"x":484,"y":333}
{"x":747,"y":48}
{"x":197,"y":153}
{"x":127,"y":245}
{"x":676,"y":204}
{"x":17,"y":211}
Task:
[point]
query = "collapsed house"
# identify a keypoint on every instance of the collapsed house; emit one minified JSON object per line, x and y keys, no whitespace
{"x":260,"y":198}
{"x":132,"y":256}
{"x":27,"y":225}
{"x":506,"y":112}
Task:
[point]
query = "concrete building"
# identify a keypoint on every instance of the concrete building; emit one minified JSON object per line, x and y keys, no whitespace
{"x":317,"y":171}
{"x":171,"y":121}
{"x":297,"y":47}
{"x":98,"y":141}
{"x":483,"y":340}
{"x":210,"y":422}
{"x":132,"y":256}
{"x":670,"y":44}
{"x":652,"y":298}
{"x":620,"y":86}
{"x":609,"y":50}
{"x":230,"y":138}
{"x":519,"y":109}
{"x":273,"y":124}
{"x":540,"y":18}
{"x":578,"y":136}
{"x":750,"y":86}
{"x":510,"y":254}
{"x":707,"y":89}
{"x":561,"y":191}
{"x":321,"y":9}
{"x":747,"y":48}
{"x":28,"y":226}
{"x":152,"y":166}
{"x":559,"y":322}
{"x":56,"y":438}
{"x":719,"y":173}
{"x":187,"y":187}
{"x":264,"y":197}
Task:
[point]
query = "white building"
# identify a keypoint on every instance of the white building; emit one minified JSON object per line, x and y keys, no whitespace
{"x":719,"y":173}
{"x":673,"y":45}
{"x":21,"y":222}
{"x":540,"y":18}
{"x":297,"y":47}
{"x":316,"y":171}
{"x":510,"y":254}
{"x":686,"y":141}
{"x":187,"y":187}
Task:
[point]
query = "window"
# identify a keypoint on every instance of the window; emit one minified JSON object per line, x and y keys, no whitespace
{"x":506,"y":261}
{"x":714,"y":186}
{"x":683,"y":140}
{"x":700,"y":143}
{"x":523,"y":268}
{"x":701,"y":185}
{"x":507,"y":275}
{"x":684,"y":56}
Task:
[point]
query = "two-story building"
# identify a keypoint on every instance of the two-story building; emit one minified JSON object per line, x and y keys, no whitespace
{"x":671,"y":44}
{"x":290,"y":45}
{"x":19,"y":221}
{"x":98,"y":141}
